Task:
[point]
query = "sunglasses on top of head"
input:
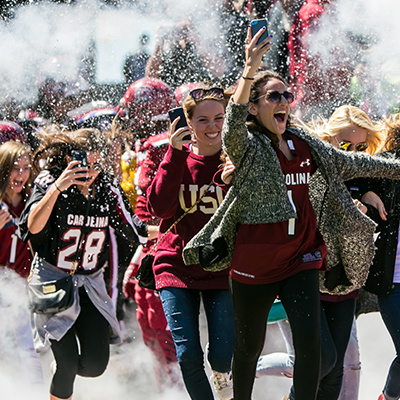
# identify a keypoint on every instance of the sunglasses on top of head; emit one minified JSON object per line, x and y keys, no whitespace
{"x":198,"y":94}
{"x":276,"y":96}
{"x":347,"y":146}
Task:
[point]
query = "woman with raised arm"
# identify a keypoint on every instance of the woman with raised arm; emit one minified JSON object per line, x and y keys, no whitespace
{"x":282,"y":222}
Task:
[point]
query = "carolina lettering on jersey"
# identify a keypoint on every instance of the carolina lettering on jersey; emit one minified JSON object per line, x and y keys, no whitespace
{"x":258,"y":257}
{"x":298,"y":178}
{"x":92,"y":222}
{"x":78,"y":231}
{"x":208,"y":204}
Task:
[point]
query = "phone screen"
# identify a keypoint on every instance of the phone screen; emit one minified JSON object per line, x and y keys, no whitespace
{"x":256,"y":25}
{"x":77,"y":155}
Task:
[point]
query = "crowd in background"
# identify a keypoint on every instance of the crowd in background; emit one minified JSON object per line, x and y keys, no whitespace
{"x":150,"y":165}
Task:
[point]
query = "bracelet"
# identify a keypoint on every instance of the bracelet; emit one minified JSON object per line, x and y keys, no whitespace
{"x":57,"y":187}
{"x":247,"y":78}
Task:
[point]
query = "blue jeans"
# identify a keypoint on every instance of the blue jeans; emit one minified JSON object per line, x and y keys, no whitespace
{"x":389,"y":307}
{"x":182,"y":309}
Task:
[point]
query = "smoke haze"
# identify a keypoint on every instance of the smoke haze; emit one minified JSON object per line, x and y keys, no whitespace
{"x":40,"y":32}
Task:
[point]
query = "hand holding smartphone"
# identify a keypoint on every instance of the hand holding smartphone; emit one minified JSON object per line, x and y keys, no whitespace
{"x":256,"y":25}
{"x":79,"y":155}
{"x":178,"y":112}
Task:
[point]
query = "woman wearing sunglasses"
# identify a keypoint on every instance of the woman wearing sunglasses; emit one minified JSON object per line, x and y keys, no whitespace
{"x":184,"y":175}
{"x":348,"y":129}
{"x":282,"y":222}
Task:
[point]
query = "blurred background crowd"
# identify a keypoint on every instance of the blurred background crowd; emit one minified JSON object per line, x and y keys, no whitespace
{"x":119,"y":65}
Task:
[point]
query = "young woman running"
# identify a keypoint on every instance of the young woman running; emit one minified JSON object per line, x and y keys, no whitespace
{"x":68,"y":220}
{"x":281,"y":222}
{"x":183,"y":177}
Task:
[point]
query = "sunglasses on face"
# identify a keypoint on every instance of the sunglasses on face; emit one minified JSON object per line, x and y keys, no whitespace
{"x":198,"y":94}
{"x":346,"y":146}
{"x":276,"y":96}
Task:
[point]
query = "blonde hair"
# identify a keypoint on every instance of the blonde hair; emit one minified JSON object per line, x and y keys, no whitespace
{"x":342,"y":118}
{"x":10,"y":153}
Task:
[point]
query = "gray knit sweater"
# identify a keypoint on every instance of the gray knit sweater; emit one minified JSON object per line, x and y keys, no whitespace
{"x":258,"y":195}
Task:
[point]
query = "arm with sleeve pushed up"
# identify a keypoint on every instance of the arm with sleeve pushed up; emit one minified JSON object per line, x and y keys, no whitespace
{"x":163,"y":192}
{"x":235,"y":133}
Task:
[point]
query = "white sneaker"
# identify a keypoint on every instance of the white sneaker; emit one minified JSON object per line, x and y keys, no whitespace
{"x":223,"y":384}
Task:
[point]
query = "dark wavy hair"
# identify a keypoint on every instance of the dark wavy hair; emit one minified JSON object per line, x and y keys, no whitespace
{"x":259,"y":82}
{"x":56,"y":144}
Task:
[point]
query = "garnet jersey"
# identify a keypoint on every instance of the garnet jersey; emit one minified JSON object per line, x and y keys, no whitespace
{"x":266,"y":253}
{"x":75,"y":231}
{"x":14,"y":253}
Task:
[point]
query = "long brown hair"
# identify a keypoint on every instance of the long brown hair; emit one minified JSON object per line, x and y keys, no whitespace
{"x":10,"y":153}
{"x":259,"y":82}
{"x":56,"y":145}
{"x":393,"y":132}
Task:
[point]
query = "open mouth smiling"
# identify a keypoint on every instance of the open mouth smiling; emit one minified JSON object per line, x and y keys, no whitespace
{"x":212,"y":135}
{"x":280,"y":116}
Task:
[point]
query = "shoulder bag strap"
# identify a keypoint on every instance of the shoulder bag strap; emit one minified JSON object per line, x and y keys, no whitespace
{"x":181,"y":217}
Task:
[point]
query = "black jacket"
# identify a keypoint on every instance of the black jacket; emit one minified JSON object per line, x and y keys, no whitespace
{"x":380,"y":278}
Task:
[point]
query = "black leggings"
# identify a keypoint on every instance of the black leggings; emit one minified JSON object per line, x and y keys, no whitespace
{"x":300,"y":297}
{"x":93,"y":333}
{"x":336,"y":323}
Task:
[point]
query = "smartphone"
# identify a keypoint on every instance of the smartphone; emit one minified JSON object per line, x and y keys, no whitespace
{"x":256,"y":25}
{"x":178,"y":112}
{"x":79,"y":155}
